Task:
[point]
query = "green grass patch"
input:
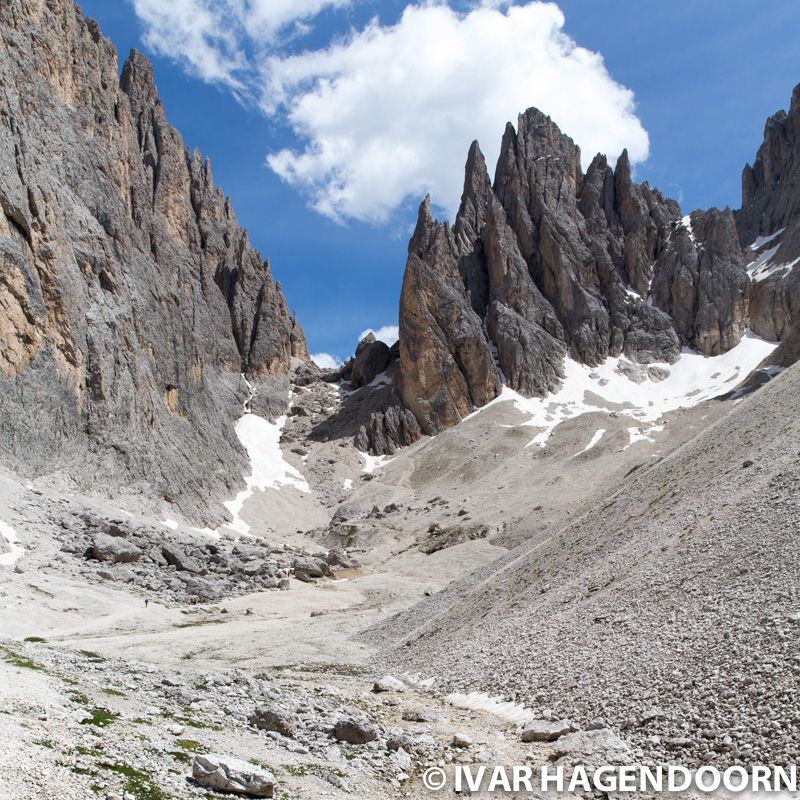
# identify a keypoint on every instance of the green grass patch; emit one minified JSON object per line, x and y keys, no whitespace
{"x":48,"y":743}
{"x":114,"y":693}
{"x":95,"y":658}
{"x":191,"y":746}
{"x":20,"y":662}
{"x":301,"y":770}
{"x":99,"y":717}
{"x":137,"y":783}
{"x":34,"y":640}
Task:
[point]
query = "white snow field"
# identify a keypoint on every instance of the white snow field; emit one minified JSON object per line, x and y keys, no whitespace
{"x":270,"y":470}
{"x":478,"y":701}
{"x":12,"y":548}
{"x":691,"y":380}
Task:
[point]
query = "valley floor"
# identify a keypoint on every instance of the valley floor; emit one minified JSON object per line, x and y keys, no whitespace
{"x":114,"y":676}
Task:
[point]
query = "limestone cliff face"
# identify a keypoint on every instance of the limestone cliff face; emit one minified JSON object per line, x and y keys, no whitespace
{"x":130,"y":299}
{"x":546,"y":261}
{"x":769,"y":225}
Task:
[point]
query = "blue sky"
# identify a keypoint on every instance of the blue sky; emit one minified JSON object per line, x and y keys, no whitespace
{"x":704,"y":77}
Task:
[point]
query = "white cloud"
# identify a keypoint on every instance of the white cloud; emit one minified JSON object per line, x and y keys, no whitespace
{"x":387,"y":333}
{"x":264,"y":18}
{"x":390,"y":112}
{"x":326,"y":360}
{"x":192,"y":32}
{"x":220,"y":41}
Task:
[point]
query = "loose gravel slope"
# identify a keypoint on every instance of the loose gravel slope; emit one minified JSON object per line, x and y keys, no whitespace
{"x":671,"y":609}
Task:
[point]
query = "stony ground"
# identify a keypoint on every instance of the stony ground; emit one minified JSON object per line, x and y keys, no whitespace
{"x":130,"y":647}
{"x":669,"y":610}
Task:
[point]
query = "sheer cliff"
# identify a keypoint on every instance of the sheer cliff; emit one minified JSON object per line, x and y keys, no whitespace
{"x":131,"y":301}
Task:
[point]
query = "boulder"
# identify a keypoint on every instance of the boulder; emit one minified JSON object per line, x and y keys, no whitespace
{"x":177,"y":557}
{"x":309,"y":567}
{"x":354,"y":730}
{"x":114,"y":549}
{"x":420,"y":714}
{"x":224,"y":774}
{"x":388,"y":683}
{"x":545,"y":730}
{"x":461,"y":740}
{"x":274,"y":718}
{"x":338,"y":558}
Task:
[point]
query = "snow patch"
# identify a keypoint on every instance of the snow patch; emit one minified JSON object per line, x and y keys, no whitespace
{"x":348,"y":484}
{"x":261,"y":439}
{"x":762,"y":240}
{"x":762,"y":266}
{"x":478,"y":701}
{"x":214,"y":534}
{"x":775,"y":268}
{"x":381,"y":379}
{"x":170,"y":523}
{"x":14,"y":549}
{"x":417,"y":681}
{"x":374,"y":463}
{"x":687,"y":223}
{"x":691,"y":380}
{"x":642,"y":435}
{"x":595,"y":439}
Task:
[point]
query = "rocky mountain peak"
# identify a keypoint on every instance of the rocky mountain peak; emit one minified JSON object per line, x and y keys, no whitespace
{"x":548,"y":262}
{"x":770,"y":197}
{"x":769,"y":224}
{"x":138,"y":82}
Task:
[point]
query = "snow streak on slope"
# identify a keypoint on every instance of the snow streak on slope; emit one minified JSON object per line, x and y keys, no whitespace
{"x":763,"y":265}
{"x":261,"y":439}
{"x":692,"y":379}
{"x":374,"y":463}
{"x":477,"y":701}
{"x":13,"y":549}
{"x":594,"y":440}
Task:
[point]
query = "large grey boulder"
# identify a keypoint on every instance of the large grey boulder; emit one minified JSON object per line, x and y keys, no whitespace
{"x":231,"y":775}
{"x":309,"y":567}
{"x":274,"y":718}
{"x":176,"y":556}
{"x":114,"y":549}
{"x":354,"y":730}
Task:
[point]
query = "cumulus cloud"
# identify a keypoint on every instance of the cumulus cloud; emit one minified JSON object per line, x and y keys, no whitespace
{"x":387,"y":113}
{"x":222,"y":41}
{"x":387,"y":333}
{"x":326,"y":360}
{"x":390,"y":112}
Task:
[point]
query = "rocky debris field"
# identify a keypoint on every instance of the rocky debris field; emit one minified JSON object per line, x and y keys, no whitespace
{"x":168,"y":565}
{"x":668,"y":610}
{"x":118,"y":729}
